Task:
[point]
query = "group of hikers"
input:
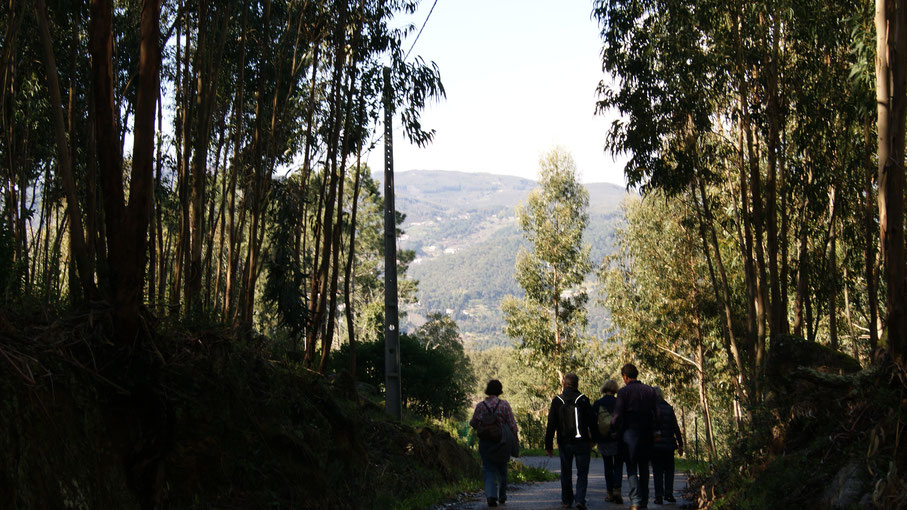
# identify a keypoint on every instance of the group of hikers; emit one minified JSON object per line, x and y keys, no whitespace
{"x":631,"y":426}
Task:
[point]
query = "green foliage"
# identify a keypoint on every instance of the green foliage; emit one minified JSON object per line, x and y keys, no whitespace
{"x":656,"y":294}
{"x":430,"y":497}
{"x":549,"y":320}
{"x":284,"y":283}
{"x":517,"y":472}
{"x":690,"y":466}
{"x":436,"y":372}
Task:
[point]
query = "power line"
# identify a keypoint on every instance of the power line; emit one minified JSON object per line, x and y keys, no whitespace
{"x":421,"y":29}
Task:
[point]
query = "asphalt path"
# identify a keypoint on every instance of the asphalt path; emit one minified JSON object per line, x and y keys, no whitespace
{"x":547,"y":495}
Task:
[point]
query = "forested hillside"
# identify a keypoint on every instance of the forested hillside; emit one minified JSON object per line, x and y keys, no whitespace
{"x":465,"y":235}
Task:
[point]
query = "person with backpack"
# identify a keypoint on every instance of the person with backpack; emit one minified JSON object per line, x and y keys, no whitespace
{"x":497,"y":432}
{"x":636,"y":415}
{"x":666,"y":442}
{"x":570,"y":416}
{"x":608,"y":442}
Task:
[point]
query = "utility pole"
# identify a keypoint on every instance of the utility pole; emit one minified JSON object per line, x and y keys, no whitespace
{"x":392,"y":386}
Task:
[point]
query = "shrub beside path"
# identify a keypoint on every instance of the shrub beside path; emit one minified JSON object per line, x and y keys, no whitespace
{"x":547,"y":495}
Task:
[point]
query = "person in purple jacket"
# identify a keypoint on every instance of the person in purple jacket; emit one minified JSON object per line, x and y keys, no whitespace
{"x":636,"y":415}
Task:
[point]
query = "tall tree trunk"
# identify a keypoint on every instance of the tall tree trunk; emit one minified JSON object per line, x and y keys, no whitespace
{"x":257,"y":209}
{"x":802,"y":290}
{"x":869,"y":253}
{"x":722,"y":292}
{"x":891,"y":70}
{"x":351,"y":255}
{"x":213,"y":218}
{"x":352,"y":76}
{"x":700,"y":369}
{"x":180,"y":122}
{"x":235,"y":167}
{"x":64,"y":159}
{"x":127,"y":226}
{"x":704,"y":398}
{"x":854,"y":339}
{"x":207,"y":73}
{"x":776,"y":314}
{"x":784,"y":273}
{"x":336,"y":116}
{"x":832,"y":274}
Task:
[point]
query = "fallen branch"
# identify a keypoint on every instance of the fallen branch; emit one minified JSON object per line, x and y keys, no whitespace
{"x":29,"y":379}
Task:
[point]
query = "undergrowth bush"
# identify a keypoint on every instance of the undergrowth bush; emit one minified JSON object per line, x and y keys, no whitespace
{"x":213,"y":422}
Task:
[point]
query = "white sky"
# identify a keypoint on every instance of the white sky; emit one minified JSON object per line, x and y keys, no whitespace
{"x":520,"y":77}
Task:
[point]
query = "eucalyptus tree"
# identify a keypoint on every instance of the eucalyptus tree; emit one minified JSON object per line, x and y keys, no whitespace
{"x":126,"y":222}
{"x":891,"y":100}
{"x":660,"y":302}
{"x":549,"y":320}
{"x":230,"y":106}
{"x":725,"y":105}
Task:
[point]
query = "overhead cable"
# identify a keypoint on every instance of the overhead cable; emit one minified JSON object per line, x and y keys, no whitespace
{"x":421,"y":29}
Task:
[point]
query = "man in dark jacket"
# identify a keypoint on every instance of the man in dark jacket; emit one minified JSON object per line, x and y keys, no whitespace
{"x":635,"y":415}
{"x":570,"y":416}
{"x":666,"y":442}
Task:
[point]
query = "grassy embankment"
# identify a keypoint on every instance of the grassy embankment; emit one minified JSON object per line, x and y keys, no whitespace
{"x":199,"y":417}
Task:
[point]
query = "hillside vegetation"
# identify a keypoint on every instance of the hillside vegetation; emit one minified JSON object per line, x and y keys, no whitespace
{"x":463,"y":229}
{"x":222,"y":424}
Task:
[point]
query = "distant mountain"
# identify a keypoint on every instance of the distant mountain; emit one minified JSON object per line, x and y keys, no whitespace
{"x":464,"y":230}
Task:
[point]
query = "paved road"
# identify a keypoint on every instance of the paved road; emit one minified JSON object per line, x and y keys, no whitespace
{"x":547,"y":495}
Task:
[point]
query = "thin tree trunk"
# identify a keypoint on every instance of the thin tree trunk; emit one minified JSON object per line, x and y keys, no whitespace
{"x":855,"y":350}
{"x":338,"y":227}
{"x":180,"y":132}
{"x":207,"y":74}
{"x":214,"y":219}
{"x":351,"y":256}
{"x":784,"y":273}
{"x":774,"y":311}
{"x":832,"y":271}
{"x":869,"y":254}
{"x":257,"y":208}
{"x":321,"y":299}
{"x":233,"y":241}
{"x":64,"y":161}
{"x":700,"y":369}
{"x":802,"y":265}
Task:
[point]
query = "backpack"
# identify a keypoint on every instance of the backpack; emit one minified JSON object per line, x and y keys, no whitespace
{"x":603,"y":420}
{"x":569,"y":418}
{"x":489,"y":426}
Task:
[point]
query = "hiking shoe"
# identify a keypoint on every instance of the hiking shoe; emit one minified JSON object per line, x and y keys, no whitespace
{"x":670,"y":499}
{"x":492,"y":501}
